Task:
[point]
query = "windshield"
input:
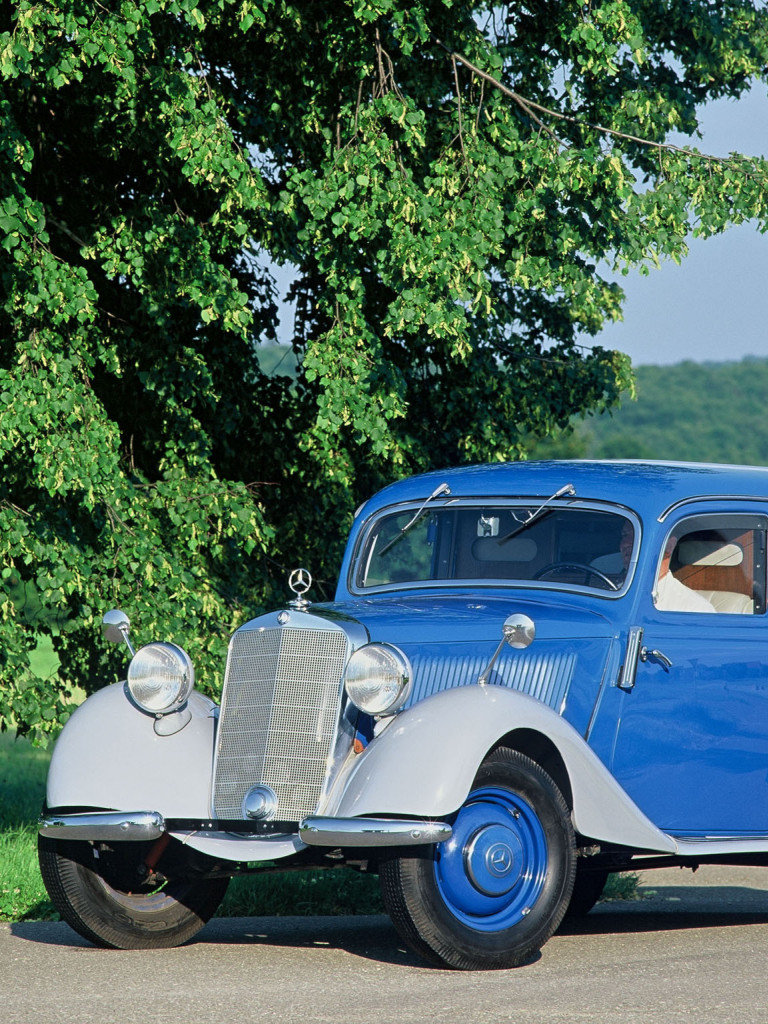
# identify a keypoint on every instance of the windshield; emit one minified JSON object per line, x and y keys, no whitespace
{"x":574,"y":547}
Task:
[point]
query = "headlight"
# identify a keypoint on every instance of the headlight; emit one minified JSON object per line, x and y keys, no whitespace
{"x":377,"y":679}
{"x":160,"y":678}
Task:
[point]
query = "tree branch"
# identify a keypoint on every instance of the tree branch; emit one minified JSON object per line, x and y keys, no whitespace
{"x":458,"y":101}
{"x":530,"y":105}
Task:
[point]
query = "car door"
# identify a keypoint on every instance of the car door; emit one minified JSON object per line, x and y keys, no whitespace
{"x":691,"y":745}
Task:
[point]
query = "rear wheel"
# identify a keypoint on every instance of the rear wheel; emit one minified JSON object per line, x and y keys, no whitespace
{"x":491,"y":895}
{"x":587,"y":889}
{"x":109,"y":894}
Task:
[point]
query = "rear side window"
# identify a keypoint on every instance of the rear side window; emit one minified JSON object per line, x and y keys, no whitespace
{"x":714,"y":564}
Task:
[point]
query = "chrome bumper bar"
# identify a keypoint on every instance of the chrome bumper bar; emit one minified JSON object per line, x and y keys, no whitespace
{"x":371,"y":832}
{"x":107,"y":825}
{"x":121,"y":826}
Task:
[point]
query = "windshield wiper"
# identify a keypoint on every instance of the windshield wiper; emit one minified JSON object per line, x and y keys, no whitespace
{"x":442,"y":489}
{"x":569,"y":490}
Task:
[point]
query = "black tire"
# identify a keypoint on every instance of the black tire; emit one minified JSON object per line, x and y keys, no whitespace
{"x":491,"y":896}
{"x":98,"y":890}
{"x":587,"y":889}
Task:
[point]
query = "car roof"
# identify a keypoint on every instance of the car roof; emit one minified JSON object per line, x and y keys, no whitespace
{"x":646,"y":486}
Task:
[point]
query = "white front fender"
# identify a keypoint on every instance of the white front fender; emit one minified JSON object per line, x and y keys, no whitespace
{"x":109,"y":756}
{"x":424,"y":762}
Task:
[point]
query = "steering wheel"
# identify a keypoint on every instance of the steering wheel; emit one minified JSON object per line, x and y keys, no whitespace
{"x":588,"y":570}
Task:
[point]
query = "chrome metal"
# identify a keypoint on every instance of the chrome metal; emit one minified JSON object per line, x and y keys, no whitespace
{"x":152,"y":661}
{"x":115,"y":626}
{"x":300,"y":581}
{"x":483,"y":583}
{"x":718,"y":498}
{"x":628,"y":670}
{"x":280,"y":723}
{"x":519,"y":632}
{"x":319,"y":831}
{"x":567,"y":491}
{"x":402,"y":667}
{"x":440,"y":489}
{"x":113,"y":826}
{"x":260,"y":803}
{"x":645,"y":654}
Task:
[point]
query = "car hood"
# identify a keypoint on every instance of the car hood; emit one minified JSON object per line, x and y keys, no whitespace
{"x":465,"y":618}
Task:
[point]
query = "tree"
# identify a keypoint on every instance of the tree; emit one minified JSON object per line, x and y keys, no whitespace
{"x":446,"y":178}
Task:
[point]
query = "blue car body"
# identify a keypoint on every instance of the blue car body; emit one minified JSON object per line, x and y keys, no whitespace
{"x":638,"y":693}
{"x":688,"y":743}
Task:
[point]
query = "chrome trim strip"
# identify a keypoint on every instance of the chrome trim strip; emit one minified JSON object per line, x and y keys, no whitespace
{"x":114,"y":826}
{"x":505,"y":501}
{"x":711,"y":497}
{"x":319,"y":831}
{"x":703,"y":848}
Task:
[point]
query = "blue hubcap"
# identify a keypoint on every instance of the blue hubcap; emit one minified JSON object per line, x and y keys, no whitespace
{"x":492,"y":869}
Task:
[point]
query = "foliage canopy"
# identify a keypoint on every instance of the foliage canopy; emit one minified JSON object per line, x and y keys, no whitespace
{"x":445,"y":177}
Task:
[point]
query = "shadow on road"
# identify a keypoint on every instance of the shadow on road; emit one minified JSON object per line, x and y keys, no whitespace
{"x":371,"y":937}
{"x":664,"y":908}
{"x":675,"y":908}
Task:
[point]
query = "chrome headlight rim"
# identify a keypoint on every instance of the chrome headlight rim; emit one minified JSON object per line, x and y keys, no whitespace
{"x":387,"y":664}
{"x":160,"y":678}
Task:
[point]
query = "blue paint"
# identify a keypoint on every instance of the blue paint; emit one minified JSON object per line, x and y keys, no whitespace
{"x":493,"y":868}
{"x":688,"y":744}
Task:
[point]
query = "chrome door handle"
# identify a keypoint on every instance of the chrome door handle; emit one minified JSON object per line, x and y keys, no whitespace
{"x":628,"y":670}
{"x":645,"y":654}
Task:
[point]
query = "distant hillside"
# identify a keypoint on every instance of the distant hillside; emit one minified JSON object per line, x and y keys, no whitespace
{"x":713,"y":412}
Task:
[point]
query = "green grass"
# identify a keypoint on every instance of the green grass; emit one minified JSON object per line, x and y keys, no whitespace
{"x":23,"y":769}
{"x":306,"y":893}
{"x":22,"y":893}
{"x":621,"y":887}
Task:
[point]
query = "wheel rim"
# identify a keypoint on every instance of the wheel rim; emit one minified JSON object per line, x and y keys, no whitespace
{"x":116,"y":886}
{"x":493,"y":868}
{"x":139,"y":903}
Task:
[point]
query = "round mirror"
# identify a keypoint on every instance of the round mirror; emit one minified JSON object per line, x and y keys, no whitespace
{"x":115,"y":625}
{"x":519,"y":631}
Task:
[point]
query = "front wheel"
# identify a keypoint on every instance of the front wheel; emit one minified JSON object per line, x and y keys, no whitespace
{"x":491,"y":895}
{"x":111,"y":896}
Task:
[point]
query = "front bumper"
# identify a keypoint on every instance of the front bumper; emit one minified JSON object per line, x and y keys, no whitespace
{"x":121,"y":826}
{"x":109,"y":826}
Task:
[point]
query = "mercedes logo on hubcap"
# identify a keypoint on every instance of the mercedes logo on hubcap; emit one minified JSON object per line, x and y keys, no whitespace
{"x":499,"y":860}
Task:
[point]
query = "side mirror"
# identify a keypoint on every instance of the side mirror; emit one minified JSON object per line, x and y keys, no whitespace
{"x":519,"y":632}
{"x":115,"y":626}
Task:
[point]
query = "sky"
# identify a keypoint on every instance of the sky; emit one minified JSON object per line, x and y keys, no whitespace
{"x":713,"y":307}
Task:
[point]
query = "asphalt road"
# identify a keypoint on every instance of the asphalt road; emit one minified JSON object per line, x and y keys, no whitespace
{"x":694,"y":949}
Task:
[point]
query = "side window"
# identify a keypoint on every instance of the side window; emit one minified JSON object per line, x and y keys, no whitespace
{"x":714,"y":564}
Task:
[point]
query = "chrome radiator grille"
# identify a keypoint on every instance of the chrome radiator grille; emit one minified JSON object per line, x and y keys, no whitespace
{"x":279,"y":717}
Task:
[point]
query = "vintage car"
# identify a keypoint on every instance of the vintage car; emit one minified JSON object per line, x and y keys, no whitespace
{"x":532,"y":674}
